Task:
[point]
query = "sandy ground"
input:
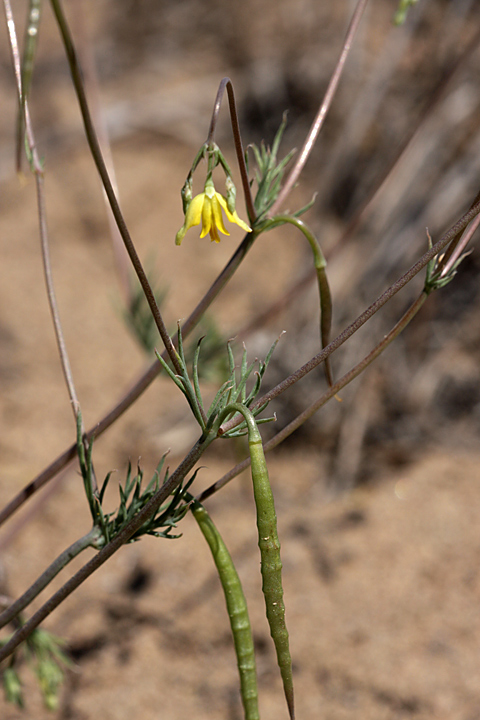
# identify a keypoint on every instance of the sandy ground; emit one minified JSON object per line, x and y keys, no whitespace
{"x":382,"y":583}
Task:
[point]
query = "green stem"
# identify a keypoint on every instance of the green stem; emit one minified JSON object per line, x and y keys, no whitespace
{"x":46,"y":577}
{"x":269,"y":544}
{"x":237,"y":611}
{"x":320,"y":264}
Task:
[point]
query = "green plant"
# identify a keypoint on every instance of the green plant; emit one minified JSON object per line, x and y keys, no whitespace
{"x":236,"y":407}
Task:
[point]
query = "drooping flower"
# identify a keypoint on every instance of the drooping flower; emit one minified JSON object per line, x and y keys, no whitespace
{"x":207,"y":207}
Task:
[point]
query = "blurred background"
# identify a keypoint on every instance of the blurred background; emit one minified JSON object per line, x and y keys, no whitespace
{"x":377,"y":495}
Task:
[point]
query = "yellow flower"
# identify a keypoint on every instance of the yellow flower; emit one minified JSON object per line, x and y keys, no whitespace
{"x":208,"y":207}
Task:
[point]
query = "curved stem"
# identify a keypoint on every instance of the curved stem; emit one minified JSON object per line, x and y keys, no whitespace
{"x":312,"y":409}
{"x":107,"y":184}
{"x":253,"y":431}
{"x":51,"y":572}
{"x":323,"y":110}
{"x":227,"y":83}
{"x":323,"y":287}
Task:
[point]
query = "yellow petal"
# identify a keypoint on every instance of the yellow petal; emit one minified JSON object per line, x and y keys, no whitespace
{"x":232,"y":217}
{"x":206,"y":216}
{"x":215,"y":237}
{"x":217,"y":214}
{"x":194,"y":212}
{"x":192,"y":217}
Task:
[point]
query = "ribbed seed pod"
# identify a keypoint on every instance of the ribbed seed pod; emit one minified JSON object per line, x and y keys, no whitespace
{"x":237,"y":611}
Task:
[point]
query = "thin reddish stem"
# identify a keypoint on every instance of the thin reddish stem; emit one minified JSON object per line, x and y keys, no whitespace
{"x":323,"y":110}
{"x":227,"y":84}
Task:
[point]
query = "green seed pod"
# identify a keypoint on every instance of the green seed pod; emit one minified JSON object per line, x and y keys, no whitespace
{"x":237,"y":611}
{"x":271,"y":565}
{"x":269,"y":544}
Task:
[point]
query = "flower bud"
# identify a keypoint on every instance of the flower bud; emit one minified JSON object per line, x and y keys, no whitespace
{"x":231,"y":194}
{"x":187,"y":194}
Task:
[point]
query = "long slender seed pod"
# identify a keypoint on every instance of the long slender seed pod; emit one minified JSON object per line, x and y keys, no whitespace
{"x":237,"y":611}
{"x":269,"y":544}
